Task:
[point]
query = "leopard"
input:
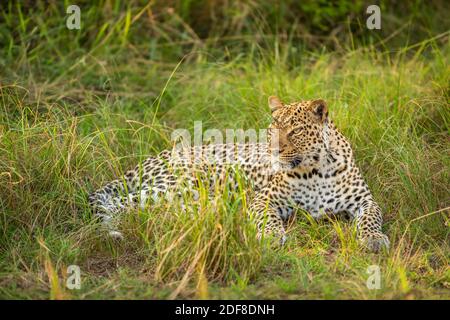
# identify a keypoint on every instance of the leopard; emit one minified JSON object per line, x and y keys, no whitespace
{"x":305,"y":164}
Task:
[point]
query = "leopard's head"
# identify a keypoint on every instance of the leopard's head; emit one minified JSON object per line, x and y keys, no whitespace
{"x":298,"y":132}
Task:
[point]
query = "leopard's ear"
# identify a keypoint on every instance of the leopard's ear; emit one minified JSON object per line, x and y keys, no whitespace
{"x":275,"y":103}
{"x":320,"y":110}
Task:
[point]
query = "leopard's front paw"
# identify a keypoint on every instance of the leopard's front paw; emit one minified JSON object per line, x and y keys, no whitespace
{"x":376,"y":242}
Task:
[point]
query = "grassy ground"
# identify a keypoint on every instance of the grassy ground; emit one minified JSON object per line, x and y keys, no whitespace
{"x":78,"y":108}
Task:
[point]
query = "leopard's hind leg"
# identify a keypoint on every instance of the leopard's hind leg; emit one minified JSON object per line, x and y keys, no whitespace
{"x":149,"y":181}
{"x":110,"y":200}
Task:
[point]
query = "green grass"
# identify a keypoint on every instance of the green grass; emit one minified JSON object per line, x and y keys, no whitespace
{"x":78,"y":108}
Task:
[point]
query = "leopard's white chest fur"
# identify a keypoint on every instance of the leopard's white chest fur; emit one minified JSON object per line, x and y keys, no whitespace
{"x":319,"y":192}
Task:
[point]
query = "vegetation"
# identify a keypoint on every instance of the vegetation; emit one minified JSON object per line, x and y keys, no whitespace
{"x":79,"y":107}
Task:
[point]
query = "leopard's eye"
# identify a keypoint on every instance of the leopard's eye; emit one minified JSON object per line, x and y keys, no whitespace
{"x":297,"y":130}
